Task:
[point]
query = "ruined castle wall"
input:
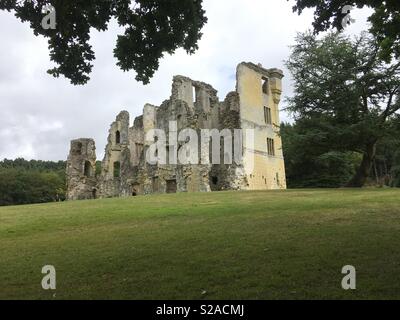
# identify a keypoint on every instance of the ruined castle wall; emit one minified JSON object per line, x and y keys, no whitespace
{"x":194,"y":105}
{"x":207,"y":113}
{"x":136,"y":141}
{"x":116,"y":165}
{"x":263,"y":170}
{"x":228,"y":176}
{"x":81,"y":169}
{"x":182,"y":89}
{"x":149,"y":121}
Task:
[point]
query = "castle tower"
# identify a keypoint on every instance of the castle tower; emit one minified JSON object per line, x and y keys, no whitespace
{"x":259,"y":92}
{"x":116,"y":162}
{"x":81,"y":170}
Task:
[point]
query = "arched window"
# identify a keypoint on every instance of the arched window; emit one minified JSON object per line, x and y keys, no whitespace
{"x":117,"y":137}
{"x":88,"y":171}
{"x":117,"y":169}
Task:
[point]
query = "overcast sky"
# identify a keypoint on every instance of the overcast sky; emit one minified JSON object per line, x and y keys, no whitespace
{"x":41,"y":114}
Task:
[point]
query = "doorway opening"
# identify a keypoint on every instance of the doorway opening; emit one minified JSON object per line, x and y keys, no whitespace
{"x":171,"y":186}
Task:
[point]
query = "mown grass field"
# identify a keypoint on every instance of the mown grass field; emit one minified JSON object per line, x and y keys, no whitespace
{"x":229,"y":245}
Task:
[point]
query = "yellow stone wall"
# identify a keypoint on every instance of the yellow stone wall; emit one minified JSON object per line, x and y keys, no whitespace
{"x":262,"y":170}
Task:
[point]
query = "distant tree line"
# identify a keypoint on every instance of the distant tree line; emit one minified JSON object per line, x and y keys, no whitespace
{"x":34,"y":181}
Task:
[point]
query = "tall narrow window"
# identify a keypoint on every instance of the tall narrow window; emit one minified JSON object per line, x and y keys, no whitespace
{"x":267,"y":115}
{"x":194,"y":90}
{"x":117,"y":137}
{"x":88,"y":172}
{"x":271,"y":147}
{"x":117,"y":169}
{"x":155,"y":184}
{"x":139,"y":150}
{"x":167,"y":155}
{"x":264,"y":84}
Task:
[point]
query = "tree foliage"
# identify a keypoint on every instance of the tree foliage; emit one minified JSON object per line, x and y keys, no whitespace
{"x":395,"y":171}
{"x":24,"y":182}
{"x":349,"y":93}
{"x":152,"y":28}
{"x":309,"y":160}
{"x":385,"y":21}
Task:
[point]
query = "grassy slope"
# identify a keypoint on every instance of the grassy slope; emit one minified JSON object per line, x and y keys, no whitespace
{"x":250,"y":245}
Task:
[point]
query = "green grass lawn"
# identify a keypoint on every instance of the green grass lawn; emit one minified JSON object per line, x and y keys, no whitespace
{"x":232,"y":245}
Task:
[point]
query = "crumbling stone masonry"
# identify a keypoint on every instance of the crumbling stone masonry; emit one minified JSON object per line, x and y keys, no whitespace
{"x":195,"y":105}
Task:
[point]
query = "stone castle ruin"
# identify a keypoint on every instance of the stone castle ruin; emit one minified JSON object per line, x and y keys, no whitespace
{"x":125,"y":171}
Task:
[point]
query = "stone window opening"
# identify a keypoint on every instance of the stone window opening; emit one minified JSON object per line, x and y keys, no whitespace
{"x":117,"y":137}
{"x":117,"y":169}
{"x":179,"y":120}
{"x":267,"y":115}
{"x":171,"y":186}
{"x":271,"y":147}
{"x":265,"y":85}
{"x":94,"y":193}
{"x":155,"y":184}
{"x":88,"y":170}
{"x":194,"y":94}
{"x":139,"y":150}
{"x":167,"y":154}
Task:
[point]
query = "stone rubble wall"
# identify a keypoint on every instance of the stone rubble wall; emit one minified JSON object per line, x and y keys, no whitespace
{"x":81,"y":168}
{"x":194,"y":105}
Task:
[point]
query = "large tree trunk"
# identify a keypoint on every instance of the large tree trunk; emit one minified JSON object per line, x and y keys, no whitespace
{"x":362,"y":173}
